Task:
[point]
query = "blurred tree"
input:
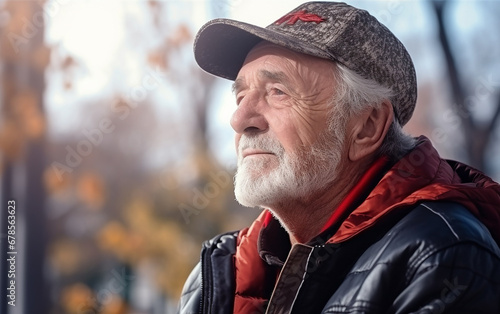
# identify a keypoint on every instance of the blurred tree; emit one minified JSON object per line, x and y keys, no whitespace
{"x":22,"y":142}
{"x":121,"y":208}
{"x":478,"y":134}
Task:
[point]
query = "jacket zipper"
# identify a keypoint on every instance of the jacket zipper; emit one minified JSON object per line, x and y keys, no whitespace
{"x":200,"y":310}
{"x":206,"y":279}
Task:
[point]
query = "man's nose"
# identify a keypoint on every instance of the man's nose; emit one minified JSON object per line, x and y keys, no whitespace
{"x":248,"y":117}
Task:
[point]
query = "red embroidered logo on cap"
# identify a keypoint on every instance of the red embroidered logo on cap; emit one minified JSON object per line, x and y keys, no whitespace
{"x":291,"y":18}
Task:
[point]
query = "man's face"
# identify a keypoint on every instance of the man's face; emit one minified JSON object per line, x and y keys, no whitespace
{"x":286,"y":150}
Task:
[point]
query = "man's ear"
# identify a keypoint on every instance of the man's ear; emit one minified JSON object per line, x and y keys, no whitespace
{"x":369,"y":130}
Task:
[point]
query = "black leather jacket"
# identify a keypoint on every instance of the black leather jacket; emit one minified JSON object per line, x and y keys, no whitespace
{"x":438,"y":258}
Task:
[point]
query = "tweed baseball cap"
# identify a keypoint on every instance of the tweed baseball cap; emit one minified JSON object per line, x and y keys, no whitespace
{"x":329,"y":30}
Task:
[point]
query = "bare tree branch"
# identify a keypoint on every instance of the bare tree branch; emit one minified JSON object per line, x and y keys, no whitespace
{"x":476,"y":141}
{"x":496,"y":116}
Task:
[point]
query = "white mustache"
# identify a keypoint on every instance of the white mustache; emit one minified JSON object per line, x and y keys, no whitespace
{"x":263,"y":143}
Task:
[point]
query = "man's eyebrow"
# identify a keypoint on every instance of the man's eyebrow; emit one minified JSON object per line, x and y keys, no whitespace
{"x":237,"y":85}
{"x":279,"y":76}
{"x":274,"y":76}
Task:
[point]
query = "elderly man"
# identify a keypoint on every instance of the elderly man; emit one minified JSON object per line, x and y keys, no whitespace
{"x":357,"y":216}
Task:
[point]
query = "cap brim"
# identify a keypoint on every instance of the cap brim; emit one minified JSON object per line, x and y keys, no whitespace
{"x":221,"y":45}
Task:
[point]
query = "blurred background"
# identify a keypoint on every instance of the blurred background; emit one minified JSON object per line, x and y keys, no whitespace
{"x":117,"y":150}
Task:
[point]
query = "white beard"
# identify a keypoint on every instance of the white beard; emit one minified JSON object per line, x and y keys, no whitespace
{"x":260,"y":182}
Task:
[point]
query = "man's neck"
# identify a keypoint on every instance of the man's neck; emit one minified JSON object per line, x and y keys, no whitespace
{"x":303,"y":219}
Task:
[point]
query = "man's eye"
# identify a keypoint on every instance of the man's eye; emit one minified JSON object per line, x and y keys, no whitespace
{"x":239,"y":98}
{"x":278,"y":92}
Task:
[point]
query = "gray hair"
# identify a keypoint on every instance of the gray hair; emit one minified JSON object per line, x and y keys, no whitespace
{"x":354,"y":94}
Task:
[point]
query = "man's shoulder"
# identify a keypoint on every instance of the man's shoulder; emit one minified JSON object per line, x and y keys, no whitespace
{"x":443,"y":224}
{"x":433,"y":241}
{"x":432,"y":232}
{"x":435,"y":247}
